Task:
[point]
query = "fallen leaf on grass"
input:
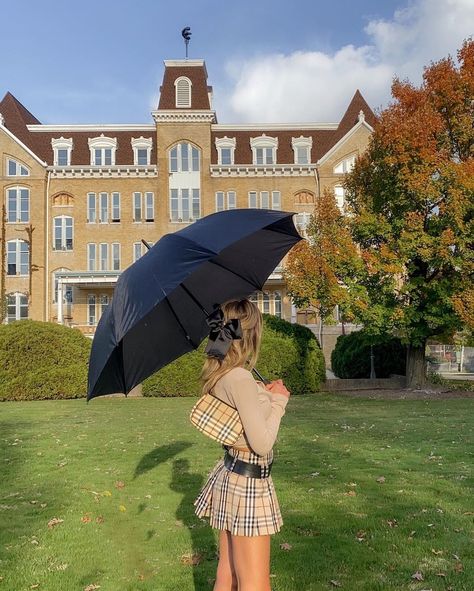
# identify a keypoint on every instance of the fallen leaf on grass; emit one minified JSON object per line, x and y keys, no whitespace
{"x":192,"y":559}
{"x":360,"y":535}
{"x":99,"y":519}
{"x":85,"y":519}
{"x":285,"y":546}
{"x":392,"y":522}
{"x":418,"y":576}
{"x":350,"y":493}
{"x":119,"y":484}
{"x":381,"y":479}
{"x":54,"y":521}
{"x":91,"y":587}
{"x":458,"y":567}
{"x":437,"y":552}
{"x":335,"y":583}
{"x":122,"y":508}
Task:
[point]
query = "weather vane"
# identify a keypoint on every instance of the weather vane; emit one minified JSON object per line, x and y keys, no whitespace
{"x":186,"y":33}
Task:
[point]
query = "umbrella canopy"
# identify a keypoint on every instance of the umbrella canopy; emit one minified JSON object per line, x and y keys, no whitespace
{"x":161,"y":302}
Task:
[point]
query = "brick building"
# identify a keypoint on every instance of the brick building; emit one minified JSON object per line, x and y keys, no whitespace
{"x":78,"y":199}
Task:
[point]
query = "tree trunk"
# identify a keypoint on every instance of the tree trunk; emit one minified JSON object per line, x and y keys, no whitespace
{"x":416,"y":366}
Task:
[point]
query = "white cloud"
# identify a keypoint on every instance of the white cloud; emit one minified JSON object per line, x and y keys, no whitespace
{"x":316,"y":86}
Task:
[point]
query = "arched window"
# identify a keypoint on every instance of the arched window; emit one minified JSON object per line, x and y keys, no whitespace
{"x":18,"y":205}
{"x":278,"y":304}
{"x":185,"y":183}
{"x":183,"y":92}
{"x":266,"y":303}
{"x":67,"y":289}
{"x":17,"y":307}
{"x":63,"y":229}
{"x":345,"y":165}
{"x":264,"y":150}
{"x":184,"y":157}
{"x":102,"y":150}
{"x":15,"y":168}
{"x":18,"y":257}
{"x":62,"y":148}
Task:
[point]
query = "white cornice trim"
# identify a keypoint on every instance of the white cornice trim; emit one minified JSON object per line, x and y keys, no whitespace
{"x":20,"y":143}
{"x":185,"y":63}
{"x":275,"y":170}
{"x":91,"y":127}
{"x":78,"y":171}
{"x":180,"y":116}
{"x":274,"y":126}
{"x":357,"y":126}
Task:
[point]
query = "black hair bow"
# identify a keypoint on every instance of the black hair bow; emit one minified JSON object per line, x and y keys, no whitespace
{"x":221,"y":335}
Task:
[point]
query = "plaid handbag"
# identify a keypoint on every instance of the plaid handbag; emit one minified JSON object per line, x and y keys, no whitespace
{"x":216,"y":419}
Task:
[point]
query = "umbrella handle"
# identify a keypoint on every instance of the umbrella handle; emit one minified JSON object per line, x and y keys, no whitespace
{"x":264,"y":380}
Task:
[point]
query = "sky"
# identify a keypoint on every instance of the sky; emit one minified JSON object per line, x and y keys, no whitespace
{"x":101,"y":61}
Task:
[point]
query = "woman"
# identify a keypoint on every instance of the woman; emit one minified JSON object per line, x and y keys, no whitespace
{"x":239,"y":496}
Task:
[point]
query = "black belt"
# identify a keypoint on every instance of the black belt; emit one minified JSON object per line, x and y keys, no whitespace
{"x":245,"y":468}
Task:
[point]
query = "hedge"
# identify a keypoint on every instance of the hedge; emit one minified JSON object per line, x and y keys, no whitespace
{"x":41,"y":360}
{"x":350,"y":357}
{"x":288,"y":351}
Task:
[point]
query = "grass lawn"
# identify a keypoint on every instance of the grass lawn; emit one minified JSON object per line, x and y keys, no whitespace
{"x":375,"y":495}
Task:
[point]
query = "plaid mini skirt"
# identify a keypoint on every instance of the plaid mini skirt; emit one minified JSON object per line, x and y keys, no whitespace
{"x":242,"y":505}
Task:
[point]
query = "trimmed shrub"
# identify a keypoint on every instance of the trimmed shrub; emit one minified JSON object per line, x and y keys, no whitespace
{"x":290,"y":352}
{"x":350,"y":357}
{"x":42,"y":360}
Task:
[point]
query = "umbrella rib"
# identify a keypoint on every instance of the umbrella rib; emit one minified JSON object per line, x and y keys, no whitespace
{"x":180,"y":324}
{"x":259,"y":287}
{"x":195,"y":300}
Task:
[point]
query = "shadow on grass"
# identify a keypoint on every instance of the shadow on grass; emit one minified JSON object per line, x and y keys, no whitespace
{"x":203,"y":544}
{"x":159,"y":455}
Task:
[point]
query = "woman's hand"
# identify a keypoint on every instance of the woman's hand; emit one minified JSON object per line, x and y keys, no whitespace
{"x":278,"y":387}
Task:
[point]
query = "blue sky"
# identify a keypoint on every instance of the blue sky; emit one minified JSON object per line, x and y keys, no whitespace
{"x":101,"y":61}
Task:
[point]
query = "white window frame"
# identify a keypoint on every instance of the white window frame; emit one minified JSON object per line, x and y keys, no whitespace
{"x":180,"y":199}
{"x":137,"y":246}
{"x":115,"y":207}
{"x":62,"y":143}
{"x":137,"y":198}
{"x":103,"y":211}
{"x":276,"y":200}
{"x":115,"y":256}
{"x":183,"y":91}
{"x":90,"y":209}
{"x":229,"y":200}
{"x":179,"y":158}
{"x":104,"y":301}
{"x":142,"y":143}
{"x":19,"y":305}
{"x":225,"y":143}
{"x":20,"y":169}
{"x":19,"y":201}
{"x":17,"y":251}
{"x":91,"y":247}
{"x":345,"y":165}
{"x":304,"y":143}
{"x":91,"y":307}
{"x":63,"y":226}
{"x":261,"y":200}
{"x":67,"y":289}
{"x":104,"y":261}
{"x":301,"y":221}
{"x":102,"y":143}
{"x":264,"y":142}
{"x":277,"y":298}
{"x":253,"y":198}
{"x":340,"y":196}
{"x":149,"y":206}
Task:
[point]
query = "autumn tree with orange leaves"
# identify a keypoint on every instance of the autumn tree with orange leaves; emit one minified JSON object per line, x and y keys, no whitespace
{"x":411,"y":198}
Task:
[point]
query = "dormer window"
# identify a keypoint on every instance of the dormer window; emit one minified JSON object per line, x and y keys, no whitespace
{"x":62,"y":148}
{"x":302,"y":149}
{"x":142,"y":151}
{"x":345,"y":165}
{"x":225,"y":150}
{"x":14,"y":168}
{"x":264,"y":150}
{"x":183,"y":92}
{"x":102,"y":150}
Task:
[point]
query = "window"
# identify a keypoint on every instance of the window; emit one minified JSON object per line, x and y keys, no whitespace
{"x":225,"y":150}
{"x":91,"y":317}
{"x":226,"y":200}
{"x":185,"y":205}
{"x":67,"y":289}
{"x":115,"y":256}
{"x":266,"y":303}
{"x":62,"y":148}
{"x":104,"y":302}
{"x":103,"y":208}
{"x":91,"y":256}
{"x":91,"y":208}
{"x":149,"y":207}
{"x":14,"y":168}
{"x":340,"y":195}
{"x":184,"y":158}
{"x":278,"y":304}
{"x":137,"y":251}
{"x":116,"y":207}
{"x":63,"y":233}
{"x":103,"y":256}
{"x":18,"y":257}
{"x":264,"y":150}
{"x":345,"y":165}
{"x":302,"y":221}
{"x":17,"y":307}
{"x":262,"y":199}
{"x":183,"y":92}
{"x":142,"y":150}
{"x":137,"y":207}
{"x":18,"y":205}
{"x":102,"y":150}
{"x":302,"y":149}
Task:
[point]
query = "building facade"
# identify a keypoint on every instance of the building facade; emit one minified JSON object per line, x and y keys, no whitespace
{"x":79,"y":199}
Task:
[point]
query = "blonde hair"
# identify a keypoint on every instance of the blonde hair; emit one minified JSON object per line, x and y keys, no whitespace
{"x":242,"y":352}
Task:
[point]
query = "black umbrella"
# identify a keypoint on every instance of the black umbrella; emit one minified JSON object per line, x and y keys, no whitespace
{"x":161,"y":302}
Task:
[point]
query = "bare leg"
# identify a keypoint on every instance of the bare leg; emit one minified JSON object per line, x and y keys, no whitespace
{"x":251,"y":556}
{"x":226,"y":579}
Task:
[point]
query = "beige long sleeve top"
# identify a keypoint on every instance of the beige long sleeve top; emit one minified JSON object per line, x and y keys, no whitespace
{"x":260,"y":410}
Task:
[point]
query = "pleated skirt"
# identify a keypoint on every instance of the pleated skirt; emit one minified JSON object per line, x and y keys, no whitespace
{"x":242,"y":505}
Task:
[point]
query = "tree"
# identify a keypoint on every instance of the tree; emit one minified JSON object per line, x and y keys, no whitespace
{"x":316,"y":266}
{"x":411,"y":203}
